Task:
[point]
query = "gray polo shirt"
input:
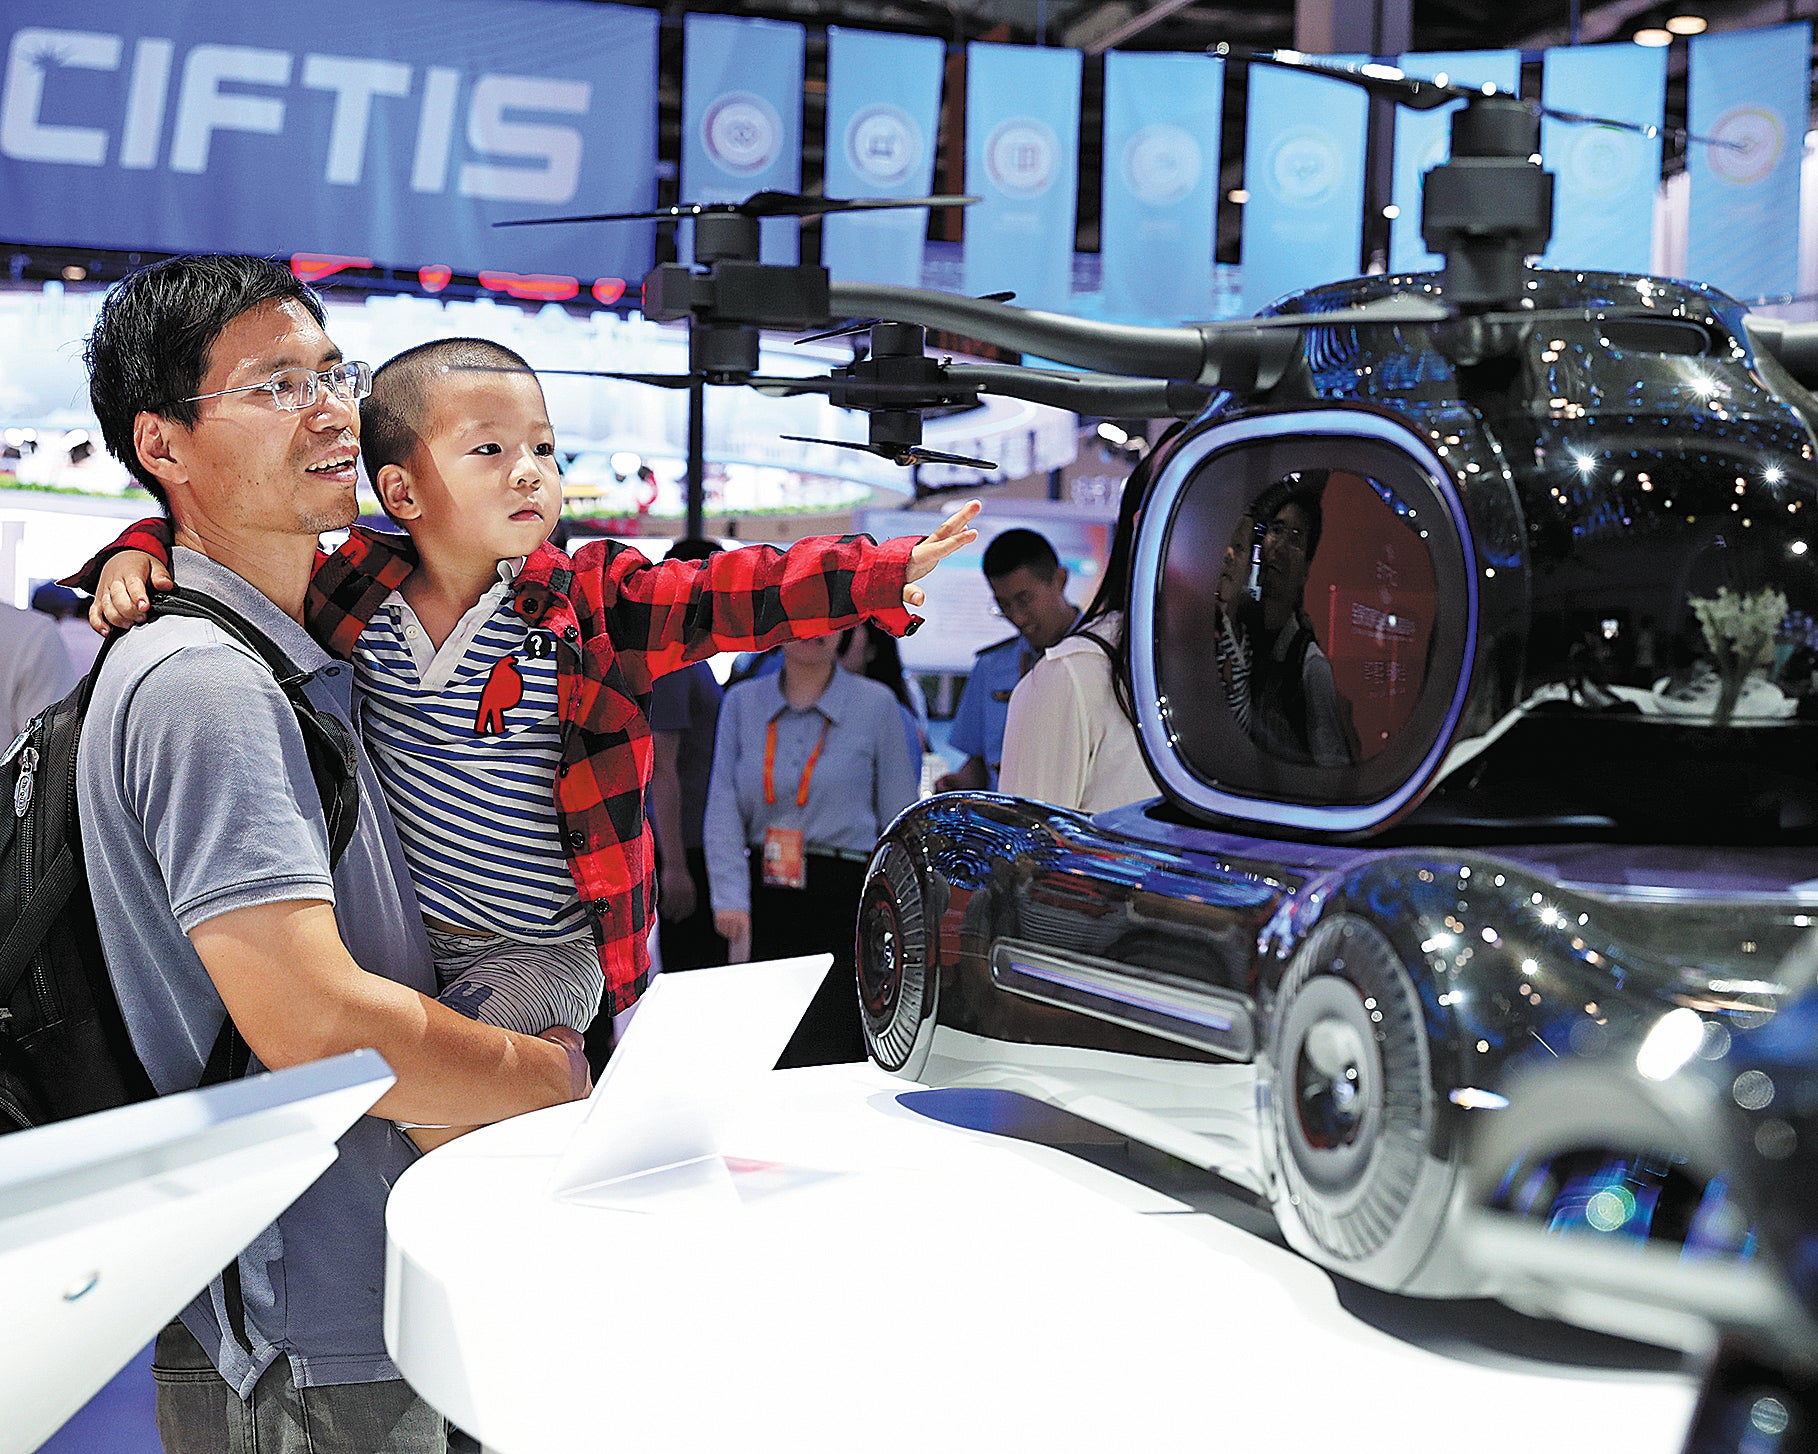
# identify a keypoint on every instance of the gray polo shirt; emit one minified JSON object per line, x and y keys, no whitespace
{"x":196,"y":799}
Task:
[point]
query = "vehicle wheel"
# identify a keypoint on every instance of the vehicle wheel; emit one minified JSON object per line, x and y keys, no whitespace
{"x":896,"y":990}
{"x":1353,"y":1110}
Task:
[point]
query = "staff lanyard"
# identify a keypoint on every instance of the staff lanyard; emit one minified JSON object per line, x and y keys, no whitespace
{"x":801,"y":792}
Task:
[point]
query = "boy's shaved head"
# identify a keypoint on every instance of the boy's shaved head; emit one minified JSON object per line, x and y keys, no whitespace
{"x":396,"y":417}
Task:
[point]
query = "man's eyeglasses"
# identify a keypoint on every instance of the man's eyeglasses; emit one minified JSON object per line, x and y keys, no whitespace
{"x":294,"y":390}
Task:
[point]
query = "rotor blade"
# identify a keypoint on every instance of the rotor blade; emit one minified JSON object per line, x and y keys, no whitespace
{"x":759,"y":204}
{"x":1379,"y":80}
{"x":916,"y":454}
{"x":791,"y":204}
{"x":904,"y":454}
{"x":657,"y":214}
{"x":1397,"y":85}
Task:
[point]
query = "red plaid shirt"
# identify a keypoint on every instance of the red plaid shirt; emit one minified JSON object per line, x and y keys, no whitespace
{"x":619,"y":622}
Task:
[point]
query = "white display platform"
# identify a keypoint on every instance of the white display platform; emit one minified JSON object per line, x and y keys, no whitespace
{"x":110,"y":1223}
{"x":886,"y":1281}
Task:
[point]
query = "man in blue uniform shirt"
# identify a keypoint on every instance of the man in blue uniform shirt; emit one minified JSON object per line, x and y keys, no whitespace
{"x":1029,"y":584}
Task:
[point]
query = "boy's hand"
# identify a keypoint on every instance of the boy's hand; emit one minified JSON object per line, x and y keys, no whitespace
{"x":122,"y":597}
{"x":954,"y":532}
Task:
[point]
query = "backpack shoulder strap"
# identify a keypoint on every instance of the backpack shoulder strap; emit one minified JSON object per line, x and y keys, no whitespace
{"x":333,"y":753}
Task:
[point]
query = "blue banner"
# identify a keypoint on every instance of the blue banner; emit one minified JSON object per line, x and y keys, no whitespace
{"x":1022,"y":159}
{"x":1604,"y":179}
{"x":397,"y":134}
{"x":1747,"y":92}
{"x":1304,"y":171}
{"x":1423,"y":139}
{"x":1157,"y":236}
{"x":883,"y":117}
{"x":742,"y":119}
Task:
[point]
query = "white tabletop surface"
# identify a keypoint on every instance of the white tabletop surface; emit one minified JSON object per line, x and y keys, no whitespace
{"x":885,"y":1280}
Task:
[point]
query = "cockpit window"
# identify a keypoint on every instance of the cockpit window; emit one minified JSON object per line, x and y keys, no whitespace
{"x":1310,"y":618}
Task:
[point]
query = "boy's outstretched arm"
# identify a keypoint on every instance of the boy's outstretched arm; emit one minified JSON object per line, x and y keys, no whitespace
{"x":660,"y":617}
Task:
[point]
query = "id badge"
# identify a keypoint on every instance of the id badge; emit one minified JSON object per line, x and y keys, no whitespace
{"x":785,"y":861}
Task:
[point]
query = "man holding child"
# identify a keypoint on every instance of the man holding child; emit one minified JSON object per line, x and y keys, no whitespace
{"x":207,"y":854}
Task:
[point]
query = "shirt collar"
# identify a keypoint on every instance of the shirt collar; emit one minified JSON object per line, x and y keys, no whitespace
{"x":833,"y":703}
{"x":211,"y":578}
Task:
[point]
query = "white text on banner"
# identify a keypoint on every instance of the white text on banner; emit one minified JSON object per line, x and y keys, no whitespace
{"x":398,"y":135}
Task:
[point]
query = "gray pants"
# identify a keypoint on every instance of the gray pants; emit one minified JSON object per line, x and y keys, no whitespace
{"x":199,"y":1414}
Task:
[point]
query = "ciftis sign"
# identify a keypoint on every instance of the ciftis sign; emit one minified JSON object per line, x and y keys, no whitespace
{"x":398,"y":131}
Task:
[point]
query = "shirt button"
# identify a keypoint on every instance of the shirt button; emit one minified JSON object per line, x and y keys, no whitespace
{"x":572,"y":634}
{"x":577,"y":839}
{"x":410,"y":633}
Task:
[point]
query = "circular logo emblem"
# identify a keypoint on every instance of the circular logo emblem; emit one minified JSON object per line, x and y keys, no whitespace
{"x":1022,"y":156}
{"x":1604,"y":161}
{"x":1162,"y":164}
{"x":1303,"y":166}
{"x":1757,"y":138}
{"x":742,"y":132}
{"x":883,"y":143}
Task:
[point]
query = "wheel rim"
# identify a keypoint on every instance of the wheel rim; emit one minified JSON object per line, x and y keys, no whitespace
{"x":1352,"y":1100}
{"x":893,"y":982}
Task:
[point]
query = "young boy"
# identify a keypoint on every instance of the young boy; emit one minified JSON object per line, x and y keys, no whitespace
{"x":505,"y":684}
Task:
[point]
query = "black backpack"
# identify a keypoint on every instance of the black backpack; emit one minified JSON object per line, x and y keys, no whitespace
{"x":64,"y":1048}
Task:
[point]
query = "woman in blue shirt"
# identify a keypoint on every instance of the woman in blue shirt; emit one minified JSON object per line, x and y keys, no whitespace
{"x":809,"y":766}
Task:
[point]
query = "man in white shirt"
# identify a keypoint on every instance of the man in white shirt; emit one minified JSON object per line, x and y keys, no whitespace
{"x":35,"y":669}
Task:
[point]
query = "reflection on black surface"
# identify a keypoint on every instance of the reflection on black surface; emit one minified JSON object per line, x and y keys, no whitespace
{"x":1322,"y":619}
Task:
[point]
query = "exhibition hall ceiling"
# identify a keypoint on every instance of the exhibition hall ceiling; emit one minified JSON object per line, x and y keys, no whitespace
{"x":1093,"y":25}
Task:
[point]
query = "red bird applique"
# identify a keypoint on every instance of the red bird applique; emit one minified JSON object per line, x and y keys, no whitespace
{"x":504,"y":689}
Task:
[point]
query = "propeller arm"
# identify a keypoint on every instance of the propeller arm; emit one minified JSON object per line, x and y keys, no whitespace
{"x":1794,"y":345}
{"x":1243,"y":356}
{"x":1087,"y":393}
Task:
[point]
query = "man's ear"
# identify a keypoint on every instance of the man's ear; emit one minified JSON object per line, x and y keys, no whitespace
{"x":155,"y":442}
{"x":397,"y":492}
{"x":1060,"y":579}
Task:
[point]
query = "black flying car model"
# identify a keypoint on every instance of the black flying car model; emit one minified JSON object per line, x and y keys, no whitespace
{"x":1471,"y":623}
{"x":1552,"y":774}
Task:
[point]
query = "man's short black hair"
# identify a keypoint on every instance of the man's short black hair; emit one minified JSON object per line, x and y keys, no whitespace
{"x":1311,"y":500}
{"x":1012,"y":550}
{"x":394,"y":418}
{"x":150,"y":345}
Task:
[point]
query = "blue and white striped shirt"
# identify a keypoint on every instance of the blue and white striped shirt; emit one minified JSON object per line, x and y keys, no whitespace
{"x":465,"y":741}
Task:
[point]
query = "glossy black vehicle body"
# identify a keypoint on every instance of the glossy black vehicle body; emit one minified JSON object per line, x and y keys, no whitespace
{"x":1143,"y":974}
{"x":1559,"y":812}
{"x":1612,"y":469}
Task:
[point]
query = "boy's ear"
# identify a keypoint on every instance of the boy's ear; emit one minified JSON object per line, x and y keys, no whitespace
{"x":397,"y":492}
{"x":155,"y":443}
